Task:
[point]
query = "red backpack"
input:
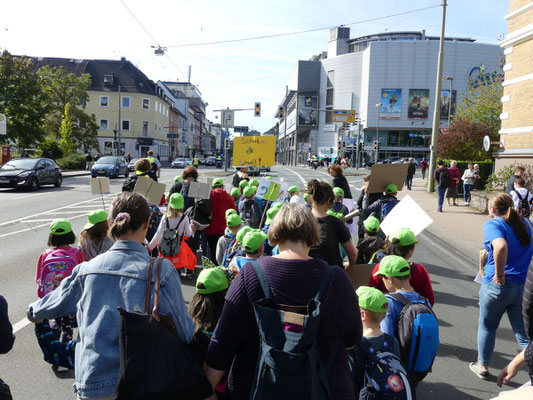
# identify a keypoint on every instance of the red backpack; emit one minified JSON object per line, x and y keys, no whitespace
{"x":57,"y":265}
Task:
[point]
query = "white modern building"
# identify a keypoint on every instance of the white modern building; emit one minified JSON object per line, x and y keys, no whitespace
{"x":389,"y":80}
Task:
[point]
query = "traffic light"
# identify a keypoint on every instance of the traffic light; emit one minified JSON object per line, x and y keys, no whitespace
{"x":339,"y":145}
{"x":257,"y":109}
{"x":228,"y":144}
{"x":376,"y":145}
{"x":379,"y":146}
{"x":343,"y":145}
{"x":360,"y":146}
{"x":280,"y":112}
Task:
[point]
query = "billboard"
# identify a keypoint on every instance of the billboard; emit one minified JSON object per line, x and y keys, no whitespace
{"x":254,"y":151}
{"x":307,"y":110}
{"x":418,"y":104}
{"x":391,"y":104}
{"x":445,"y":98}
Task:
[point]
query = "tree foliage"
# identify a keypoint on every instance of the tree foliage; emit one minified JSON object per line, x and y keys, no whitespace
{"x":67,"y":143}
{"x":464,"y":140}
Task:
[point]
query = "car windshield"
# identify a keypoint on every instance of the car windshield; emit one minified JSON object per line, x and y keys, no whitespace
{"x":133,"y":160}
{"x":179,"y":159}
{"x":211,"y":158}
{"x":107,"y":160}
{"x":27,"y":163}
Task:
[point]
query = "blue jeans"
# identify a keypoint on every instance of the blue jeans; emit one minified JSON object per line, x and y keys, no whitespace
{"x":494,"y":301}
{"x":440,"y":194}
{"x":409,"y":181}
{"x":468,"y":188}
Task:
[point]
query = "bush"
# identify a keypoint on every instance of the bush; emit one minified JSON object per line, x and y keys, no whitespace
{"x":498,"y":181}
{"x":485,"y":170}
{"x":72,"y":161}
{"x":50,"y":145}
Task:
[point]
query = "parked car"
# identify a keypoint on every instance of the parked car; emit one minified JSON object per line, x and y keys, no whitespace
{"x":179,"y":162}
{"x":112,"y":166}
{"x":131,"y":165}
{"x":30,"y":173}
{"x":210,"y":161}
{"x":188,"y":161}
{"x":264,"y":169}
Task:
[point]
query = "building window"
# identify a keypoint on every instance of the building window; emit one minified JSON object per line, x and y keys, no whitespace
{"x":329,"y":115}
{"x":146,"y":104}
{"x":156,"y":105}
{"x":145,"y":128}
{"x":125,"y":124}
{"x":104,"y":101}
{"x":104,"y":124}
{"x":329,"y":97}
{"x":331,"y":78}
{"x":126,"y":101}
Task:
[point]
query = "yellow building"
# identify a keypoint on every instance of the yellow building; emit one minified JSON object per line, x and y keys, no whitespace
{"x":517,"y":116}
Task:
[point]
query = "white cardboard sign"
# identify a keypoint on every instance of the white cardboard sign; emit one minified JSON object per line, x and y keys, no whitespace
{"x":199,"y":190}
{"x":100,"y":185}
{"x":152,"y":190}
{"x":406,"y":214}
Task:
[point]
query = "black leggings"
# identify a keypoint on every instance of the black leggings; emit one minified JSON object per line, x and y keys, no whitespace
{"x":212,"y":241}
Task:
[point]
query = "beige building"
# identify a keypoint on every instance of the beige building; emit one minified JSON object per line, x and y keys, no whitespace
{"x":517,"y":116}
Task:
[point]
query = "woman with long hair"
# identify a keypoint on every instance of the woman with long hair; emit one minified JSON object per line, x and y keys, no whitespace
{"x":507,"y":239}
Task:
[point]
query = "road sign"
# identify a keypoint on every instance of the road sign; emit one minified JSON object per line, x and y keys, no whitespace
{"x":228,"y":117}
{"x":241,"y":129}
{"x":3,"y":124}
{"x":347,"y":116}
{"x":254,"y":151}
{"x":486,"y":143}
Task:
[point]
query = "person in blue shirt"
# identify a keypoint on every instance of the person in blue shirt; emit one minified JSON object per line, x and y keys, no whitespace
{"x":271,"y":213}
{"x":507,"y":239}
{"x":253,"y":245}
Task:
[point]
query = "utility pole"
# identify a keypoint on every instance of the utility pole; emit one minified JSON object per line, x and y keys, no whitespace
{"x":119,"y":123}
{"x":358,"y":156}
{"x":377,"y":133}
{"x":436,"y":113}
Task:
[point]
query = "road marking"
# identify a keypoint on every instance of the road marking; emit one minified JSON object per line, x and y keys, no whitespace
{"x":37,"y":220}
{"x":31,"y":195}
{"x":21,"y":324}
{"x":298,"y":175}
{"x":64,"y":212}
{"x":35,"y":227}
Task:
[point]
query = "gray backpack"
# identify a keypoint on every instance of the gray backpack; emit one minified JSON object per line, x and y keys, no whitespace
{"x":170,"y":244}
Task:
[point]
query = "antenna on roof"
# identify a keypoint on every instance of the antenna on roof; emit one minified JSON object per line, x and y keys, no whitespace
{"x":159,"y":51}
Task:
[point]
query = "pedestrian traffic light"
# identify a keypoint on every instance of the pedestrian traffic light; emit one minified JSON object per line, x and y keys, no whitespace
{"x":280,"y":112}
{"x":344,"y":145}
{"x":257,"y":109}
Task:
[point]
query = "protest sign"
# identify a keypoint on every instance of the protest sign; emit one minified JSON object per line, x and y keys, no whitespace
{"x":383,"y":174}
{"x":152,"y":190}
{"x":360,"y":274}
{"x":406,"y":214}
{"x":100,"y":185}
{"x":254,"y":151}
{"x":268,"y":190}
{"x":525,"y":393}
{"x":199,"y":190}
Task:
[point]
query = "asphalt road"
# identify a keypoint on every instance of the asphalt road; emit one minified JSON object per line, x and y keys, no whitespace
{"x":24,"y":220}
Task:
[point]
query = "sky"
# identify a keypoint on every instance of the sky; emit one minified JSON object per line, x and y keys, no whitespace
{"x":234,"y":75}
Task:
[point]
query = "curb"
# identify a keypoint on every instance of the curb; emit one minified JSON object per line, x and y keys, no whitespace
{"x":66,"y":174}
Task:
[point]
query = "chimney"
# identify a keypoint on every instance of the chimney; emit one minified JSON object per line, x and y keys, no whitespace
{"x":123,"y":62}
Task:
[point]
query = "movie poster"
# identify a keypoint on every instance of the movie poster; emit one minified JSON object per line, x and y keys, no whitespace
{"x":307,"y":110}
{"x":445,"y":109}
{"x":418,"y":104}
{"x":391,"y":104}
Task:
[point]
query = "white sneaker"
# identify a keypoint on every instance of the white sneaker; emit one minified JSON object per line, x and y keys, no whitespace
{"x":61,"y":369}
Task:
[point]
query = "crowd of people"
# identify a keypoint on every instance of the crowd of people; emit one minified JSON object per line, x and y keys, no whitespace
{"x":275,"y":312}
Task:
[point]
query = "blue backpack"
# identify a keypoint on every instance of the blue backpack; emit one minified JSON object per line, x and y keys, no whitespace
{"x":385,"y":376}
{"x":418,"y":334}
{"x":387,"y":206}
{"x":288,"y":366}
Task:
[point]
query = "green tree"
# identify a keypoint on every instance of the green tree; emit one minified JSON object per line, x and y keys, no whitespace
{"x":67,"y":143}
{"x":481,"y":104}
{"x":22,"y":100}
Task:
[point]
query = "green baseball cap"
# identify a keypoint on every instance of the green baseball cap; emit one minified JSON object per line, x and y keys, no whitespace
{"x":271,"y":213}
{"x":306,"y":196}
{"x":217,"y":182}
{"x":249,"y":191}
{"x":253,"y":182}
{"x":229,"y":212}
{"x":235,"y":192}
{"x":277,"y":205}
{"x":253,"y":240}
{"x":176,"y":201}
{"x":404,"y":236}
{"x":391,"y":188}
{"x":60,"y":227}
{"x":393,"y":266}
{"x":233,"y":220}
{"x":213,"y":280}
{"x":337,"y":191}
{"x":268,"y":177}
{"x":293,"y":189}
{"x":242,"y":232}
{"x":94,"y":218}
{"x":371,"y":224}
{"x":372,"y":299}
{"x":243,"y":184}
{"x":177,"y":178}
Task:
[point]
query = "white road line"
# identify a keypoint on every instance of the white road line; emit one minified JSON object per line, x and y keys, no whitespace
{"x":298,"y":175}
{"x":31,"y":195}
{"x":35,"y":227}
{"x":21,"y":324}
{"x":36,"y":220}
{"x":64,"y":212}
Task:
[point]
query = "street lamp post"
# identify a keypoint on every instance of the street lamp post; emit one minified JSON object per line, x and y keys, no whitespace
{"x":377,"y":132}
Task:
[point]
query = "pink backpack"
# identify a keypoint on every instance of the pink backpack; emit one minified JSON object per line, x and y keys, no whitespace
{"x":57,"y":265}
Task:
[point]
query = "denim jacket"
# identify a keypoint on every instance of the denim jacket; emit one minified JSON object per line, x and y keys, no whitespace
{"x":93,"y":292}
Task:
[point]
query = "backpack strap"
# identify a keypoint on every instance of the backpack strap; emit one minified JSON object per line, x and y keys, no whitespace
{"x":367,"y":348}
{"x":263,"y":281}
{"x":148,"y":285}
{"x":324,"y":283}
{"x":518,"y":195}
{"x":404,"y":300}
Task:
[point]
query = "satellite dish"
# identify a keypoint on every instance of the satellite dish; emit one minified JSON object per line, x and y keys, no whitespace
{"x":486,"y":143}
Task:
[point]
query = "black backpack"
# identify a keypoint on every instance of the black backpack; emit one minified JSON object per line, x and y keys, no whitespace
{"x":170,"y":244}
{"x":444,"y":178}
{"x":385,"y":376}
{"x":200,"y":212}
{"x":288,"y":365}
{"x":524,"y":208}
{"x":250,"y":213}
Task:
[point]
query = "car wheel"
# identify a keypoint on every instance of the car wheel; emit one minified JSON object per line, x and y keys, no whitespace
{"x":115,"y":175}
{"x":34,"y":184}
{"x":58,"y":181}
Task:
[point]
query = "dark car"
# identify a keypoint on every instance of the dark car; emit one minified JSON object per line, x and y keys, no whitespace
{"x":112,"y":166}
{"x":131,"y":165}
{"x":211,"y":161}
{"x":30,"y":173}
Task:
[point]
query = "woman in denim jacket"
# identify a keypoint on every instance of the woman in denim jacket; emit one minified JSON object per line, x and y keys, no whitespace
{"x":96,"y":288}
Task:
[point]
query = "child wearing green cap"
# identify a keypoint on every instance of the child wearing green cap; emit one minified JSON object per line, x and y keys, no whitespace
{"x":93,"y":238}
{"x":270,"y":214}
{"x":371,"y":242}
{"x":373,"y":306}
{"x":383,"y":206}
{"x":236,"y":249}
{"x":253,"y":245}
{"x":338,"y":209}
{"x":249,"y":209}
{"x":233,"y":223}
{"x":236,"y":195}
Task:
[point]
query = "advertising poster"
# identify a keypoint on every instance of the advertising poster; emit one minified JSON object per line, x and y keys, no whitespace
{"x":391,"y":104}
{"x":307,"y":110}
{"x":418,"y":104}
{"x":445,"y":98}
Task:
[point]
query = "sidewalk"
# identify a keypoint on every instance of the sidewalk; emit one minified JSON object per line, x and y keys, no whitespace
{"x":459,"y":229}
{"x":73,"y":173}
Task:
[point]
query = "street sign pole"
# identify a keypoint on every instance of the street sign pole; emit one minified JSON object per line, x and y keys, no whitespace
{"x":358,"y":141}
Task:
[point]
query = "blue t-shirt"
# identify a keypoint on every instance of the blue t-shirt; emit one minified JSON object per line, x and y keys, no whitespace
{"x":390,"y":324}
{"x":518,"y":257}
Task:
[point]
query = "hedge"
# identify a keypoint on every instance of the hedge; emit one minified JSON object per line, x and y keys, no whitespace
{"x":72,"y":161}
{"x":486,"y":168}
